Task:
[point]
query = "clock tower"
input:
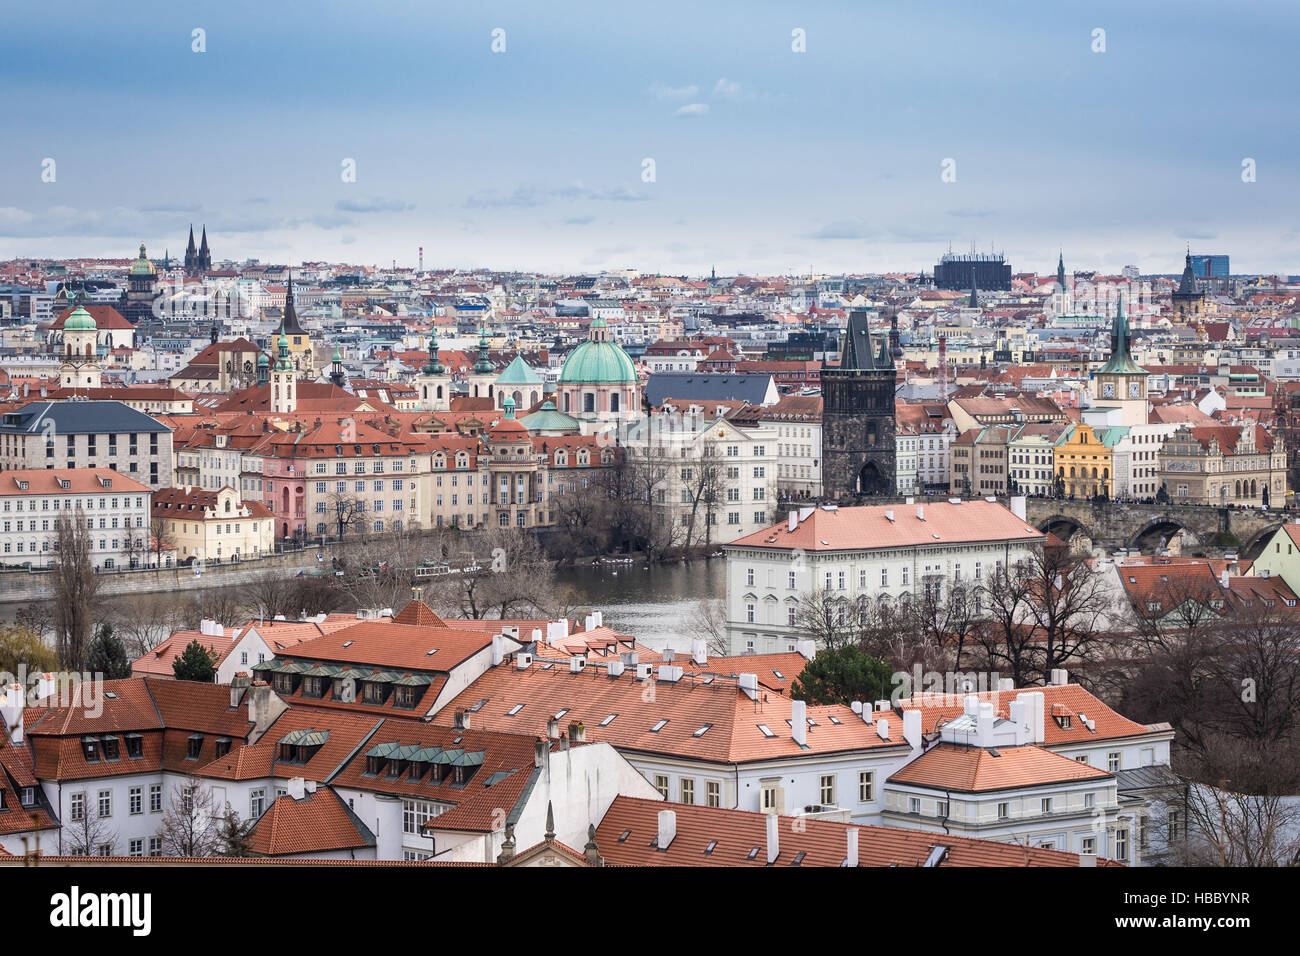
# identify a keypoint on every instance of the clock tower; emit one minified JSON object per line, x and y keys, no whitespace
{"x":1121,"y":382}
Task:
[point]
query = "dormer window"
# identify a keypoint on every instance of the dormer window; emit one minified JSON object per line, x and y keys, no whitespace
{"x":134,"y":746}
{"x":90,"y":749}
{"x":194,"y":746}
{"x":108,"y":746}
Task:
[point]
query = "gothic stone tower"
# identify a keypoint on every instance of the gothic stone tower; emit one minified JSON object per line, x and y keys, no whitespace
{"x":858,"y":417}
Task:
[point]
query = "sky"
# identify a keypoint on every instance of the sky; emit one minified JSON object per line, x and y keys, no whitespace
{"x":765,"y":159}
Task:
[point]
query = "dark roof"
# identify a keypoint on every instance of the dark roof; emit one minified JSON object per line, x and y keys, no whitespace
{"x":716,"y":388}
{"x":77,"y":418}
{"x":857,"y":354}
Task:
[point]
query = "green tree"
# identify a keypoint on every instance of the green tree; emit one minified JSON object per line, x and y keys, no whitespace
{"x":107,"y":656}
{"x":20,"y":645}
{"x":842,"y":675}
{"x":195,"y":663}
{"x":235,"y":834}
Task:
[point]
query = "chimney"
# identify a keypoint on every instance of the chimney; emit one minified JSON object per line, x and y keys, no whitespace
{"x":799,"y":722}
{"x":1035,"y":715}
{"x":576,"y":663}
{"x":462,"y":719}
{"x":851,"y":857}
{"x":773,"y":844}
{"x":920,"y":512}
{"x":238,"y":687}
{"x":667,"y":828}
{"x":792,"y":521}
{"x":699,"y":652}
{"x":523,"y":660}
{"x":1016,"y":712}
{"x":806,"y":649}
{"x":1017,"y":504}
{"x":866,"y":712}
{"x":1087,"y":859}
{"x":577,"y":733}
{"x":970,"y":705}
{"x":598,"y":617}
{"x":552,"y":728}
{"x":46,"y":686}
{"x":882,"y":728}
{"x":11,"y":712}
{"x":540,"y":752}
{"x":615,"y":668}
{"x":498,"y":649}
{"x":1006,"y":683}
{"x":749,"y":684}
{"x":1060,"y":677}
{"x":670,"y":673}
{"x":1223,"y":579}
{"x":264,"y":706}
{"x":889,"y":514}
{"x":297,"y":788}
{"x":537,"y":635}
{"x":912,"y":728}
{"x":985,"y":723}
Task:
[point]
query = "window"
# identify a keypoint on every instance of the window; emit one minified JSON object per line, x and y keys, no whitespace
{"x":416,"y":813}
{"x":771,"y":799}
{"x":1047,"y":805}
{"x":688,"y":790}
{"x":1113,"y":761}
{"x":941,"y":808}
{"x":155,"y":798}
{"x":1175,"y":822}
{"x":137,"y":847}
{"x":155,"y":846}
{"x":914,"y":805}
{"x":77,"y":806}
{"x":826,"y":790}
{"x":1121,"y":845}
{"x":1089,"y":800}
{"x":106,"y":803}
{"x":866,"y":785}
{"x":661,"y":784}
{"x":135,"y":800}
{"x":1089,"y":846}
{"x":1004,"y":811}
{"x":713,"y":794}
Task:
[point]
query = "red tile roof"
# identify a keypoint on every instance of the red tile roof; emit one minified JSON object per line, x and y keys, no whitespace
{"x":317,"y":823}
{"x":975,"y":769}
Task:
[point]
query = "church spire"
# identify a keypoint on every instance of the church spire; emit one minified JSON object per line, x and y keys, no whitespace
{"x":433,"y":367}
{"x":291,"y":324}
{"x":484,"y":364}
{"x":1060,"y":270}
{"x":974,"y":291}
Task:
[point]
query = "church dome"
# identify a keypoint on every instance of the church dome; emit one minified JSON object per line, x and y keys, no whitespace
{"x":142,"y":266}
{"x":598,"y":362}
{"x":79,"y":321}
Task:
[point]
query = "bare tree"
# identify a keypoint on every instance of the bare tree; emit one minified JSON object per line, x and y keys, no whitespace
{"x":517,"y":581}
{"x":1004,"y":633}
{"x":827,"y":618}
{"x":162,"y":539}
{"x":192,"y":822}
{"x":75,"y":587}
{"x":348,"y":511}
{"x":709,"y":624}
{"x":947,"y":618}
{"x":146,"y":621}
{"x":88,"y":833}
{"x":1067,"y":604}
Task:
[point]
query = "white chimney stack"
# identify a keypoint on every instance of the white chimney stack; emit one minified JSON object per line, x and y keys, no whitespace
{"x":523,"y":661}
{"x":1224,"y":579}
{"x":11,"y":711}
{"x":920,"y":512}
{"x":667,"y":828}
{"x":986,"y":725}
{"x":615,"y":668}
{"x":749,"y":684}
{"x":537,"y":635}
{"x":1006,"y":683}
{"x":799,"y":722}
{"x":1018,"y":503}
{"x":806,"y":649}
{"x":700,"y":652}
{"x":498,"y":652}
{"x":46,"y":686}
{"x":1035,"y":715}
{"x":851,"y":858}
{"x":912,"y":728}
{"x":970,"y":705}
{"x":297,"y":788}
{"x":773,"y":844}
{"x":882,"y":728}
{"x":598,"y":617}
{"x":792,"y":521}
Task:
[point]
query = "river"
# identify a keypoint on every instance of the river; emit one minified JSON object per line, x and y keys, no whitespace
{"x":656,"y":604}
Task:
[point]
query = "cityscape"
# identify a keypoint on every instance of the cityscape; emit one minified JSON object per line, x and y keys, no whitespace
{"x":578,"y":514}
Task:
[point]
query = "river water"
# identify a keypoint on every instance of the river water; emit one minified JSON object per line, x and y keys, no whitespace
{"x":656,"y":604}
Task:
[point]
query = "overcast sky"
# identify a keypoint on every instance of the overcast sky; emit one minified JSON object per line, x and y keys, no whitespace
{"x":765,"y":160}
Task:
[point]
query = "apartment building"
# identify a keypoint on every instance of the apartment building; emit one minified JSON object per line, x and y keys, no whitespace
{"x":115,"y":508}
{"x":862,"y":552}
{"x":76,"y":434}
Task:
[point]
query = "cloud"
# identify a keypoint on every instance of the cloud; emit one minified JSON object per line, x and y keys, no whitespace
{"x":665,"y":92}
{"x":580,"y":220}
{"x":171,"y":207}
{"x":692,"y":109}
{"x":861,"y":229}
{"x":1187,"y":233}
{"x":727,"y":89}
{"x":373,"y":205}
{"x":527,"y":197}
{"x":970,"y":213}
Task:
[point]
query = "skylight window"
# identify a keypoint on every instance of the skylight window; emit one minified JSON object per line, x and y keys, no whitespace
{"x":713,"y":844}
{"x":798,"y":859}
{"x":707,"y":680}
{"x":767,"y":731}
{"x":514,"y":710}
{"x":835,"y":720}
{"x":431,"y":653}
{"x":348,"y":643}
{"x":622,"y":837}
{"x":659,"y":726}
{"x":561,"y":713}
{"x":479,"y":706}
{"x":753,"y":852}
{"x":702,"y":731}
{"x":778,"y":673}
{"x":608,"y":720}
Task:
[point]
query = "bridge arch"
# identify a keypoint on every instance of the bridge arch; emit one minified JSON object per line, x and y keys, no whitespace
{"x":1159,"y":530}
{"x":1253,"y":546}
{"x":1065,"y":527}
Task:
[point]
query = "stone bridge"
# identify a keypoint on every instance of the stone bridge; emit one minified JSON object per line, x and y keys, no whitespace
{"x":1108,"y":525}
{"x":1146,"y":527}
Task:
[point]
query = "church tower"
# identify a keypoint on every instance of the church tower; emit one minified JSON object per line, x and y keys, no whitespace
{"x":137,"y":301}
{"x":191,"y":256}
{"x":205,"y":256}
{"x":284,"y":384}
{"x":1187,"y":300}
{"x":483,"y":376}
{"x":300,"y":348}
{"x":1121,"y":382}
{"x":433,"y":383}
{"x":858,"y":416}
{"x":80,"y":367}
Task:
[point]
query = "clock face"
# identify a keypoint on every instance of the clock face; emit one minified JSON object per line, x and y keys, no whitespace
{"x":1108,"y":390}
{"x":1134,"y":389}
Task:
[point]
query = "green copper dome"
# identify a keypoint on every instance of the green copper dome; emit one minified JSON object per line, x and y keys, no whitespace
{"x":142,"y":266}
{"x":598,"y":363}
{"x":80,"y":321}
